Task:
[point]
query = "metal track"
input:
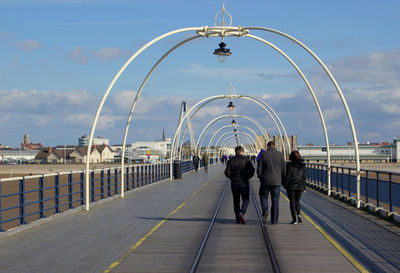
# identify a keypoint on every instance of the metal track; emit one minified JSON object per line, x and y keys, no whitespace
{"x":207,"y":235}
{"x":271,"y":252}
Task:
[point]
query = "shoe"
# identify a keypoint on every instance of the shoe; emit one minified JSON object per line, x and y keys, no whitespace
{"x":294,"y":222}
{"x":242,"y":219}
{"x":299,"y":219}
{"x":237,"y":220}
{"x":265,"y":216}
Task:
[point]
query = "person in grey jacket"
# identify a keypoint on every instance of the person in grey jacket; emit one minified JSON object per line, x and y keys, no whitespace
{"x":271,"y":169}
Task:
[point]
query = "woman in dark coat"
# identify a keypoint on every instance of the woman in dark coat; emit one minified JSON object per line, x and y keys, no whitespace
{"x":294,"y":182}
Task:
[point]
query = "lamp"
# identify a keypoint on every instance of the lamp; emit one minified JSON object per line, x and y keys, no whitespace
{"x":231,"y":106}
{"x":233,"y":122}
{"x":222,"y":52}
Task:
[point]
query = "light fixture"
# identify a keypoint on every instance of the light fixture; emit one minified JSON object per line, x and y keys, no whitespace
{"x":233,"y":122}
{"x":222,"y":52}
{"x":231,"y":106}
{"x":235,"y":130}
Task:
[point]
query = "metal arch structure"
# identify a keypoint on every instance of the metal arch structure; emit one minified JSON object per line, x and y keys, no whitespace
{"x":222,"y":31}
{"x":259,"y":102}
{"x":246,"y":136}
{"x":228,"y":126}
{"x":231,"y":138}
{"x":238,"y":132}
{"x":230,"y":116}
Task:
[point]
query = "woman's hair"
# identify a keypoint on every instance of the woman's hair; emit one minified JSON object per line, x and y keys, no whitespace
{"x":295,"y":156}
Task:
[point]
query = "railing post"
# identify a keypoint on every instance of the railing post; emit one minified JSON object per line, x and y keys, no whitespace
{"x":133,"y":176}
{"x":102,"y":183}
{"x":41,"y":197}
{"x":127,"y":179}
{"x":377,"y":190}
{"x":342,"y":180}
{"x":92,"y":186}
{"x":348,"y":180}
{"x":137,"y":176}
{"x":116,"y":180}
{"x":366,"y":187}
{"x":70,"y":190}
{"x":1,"y":230}
{"x":390,"y":193}
{"x":147,"y":174}
{"x":109,"y":182}
{"x":22,"y":200}
{"x":141,"y":174}
{"x":153,"y":172}
{"x":57,"y":192}
{"x":82,"y":181}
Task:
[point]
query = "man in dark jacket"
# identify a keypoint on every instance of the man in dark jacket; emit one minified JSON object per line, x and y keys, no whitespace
{"x":271,"y":169}
{"x":239,"y":169}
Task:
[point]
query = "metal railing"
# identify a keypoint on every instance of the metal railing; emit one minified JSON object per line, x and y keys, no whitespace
{"x":29,"y":198}
{"x":380,"y":188}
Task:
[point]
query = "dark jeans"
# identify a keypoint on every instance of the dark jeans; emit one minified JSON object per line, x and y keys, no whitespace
{"x":294,"y":198}
{"x":240,"y":190}
{"x":196,"y":165}
{"x":206,"y":168}
{"x":275,"y":192}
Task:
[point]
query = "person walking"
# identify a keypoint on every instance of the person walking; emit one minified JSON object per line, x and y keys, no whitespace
{"x":294,"y":183}
{"x":205,"y":162}
{"x":196,"y":161}
{"x":271,"y":169}
{"x":240,"y":169}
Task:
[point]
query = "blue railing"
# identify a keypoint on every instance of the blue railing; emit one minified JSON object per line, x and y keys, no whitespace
{"x":29,"y":198}
{"x":381,"y":188}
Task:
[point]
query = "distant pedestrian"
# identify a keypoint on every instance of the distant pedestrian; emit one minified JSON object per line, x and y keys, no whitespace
{"x":294,"y":182}
{"x":196,"y":161}
{"x":205,"y":162}
{"x":259,"y":154}
{"x":239,"y":169}
{"x":271,"y":169}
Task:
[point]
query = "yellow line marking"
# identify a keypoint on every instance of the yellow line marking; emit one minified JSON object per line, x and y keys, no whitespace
{"x":135,"y":246}
{"x":333,"y":242}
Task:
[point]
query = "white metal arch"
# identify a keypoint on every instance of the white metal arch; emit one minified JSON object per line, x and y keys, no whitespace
{"x":221,"y":31}
{"x":259,"y":102}
{"x":228,"y":126}
{"x":230,"y":116}
{"x":239,"y":133}
{"x":249,"y":142}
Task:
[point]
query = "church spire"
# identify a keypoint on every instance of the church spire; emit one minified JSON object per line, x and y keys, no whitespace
{"x":163,"y":135}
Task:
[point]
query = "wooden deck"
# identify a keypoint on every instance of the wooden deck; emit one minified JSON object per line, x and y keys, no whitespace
{"x":158,"y":228}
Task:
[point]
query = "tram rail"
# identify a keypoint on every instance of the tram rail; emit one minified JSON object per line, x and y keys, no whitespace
{"x":203,"y":244}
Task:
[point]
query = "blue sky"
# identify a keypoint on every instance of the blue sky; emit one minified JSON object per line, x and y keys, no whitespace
{"x":57,"y":58}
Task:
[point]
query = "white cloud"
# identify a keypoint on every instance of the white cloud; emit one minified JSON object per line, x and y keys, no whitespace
{"x":77,"y":55}
{"x":29,"y":45}
{"x":107,"y":54}
{"x":238,"y":74}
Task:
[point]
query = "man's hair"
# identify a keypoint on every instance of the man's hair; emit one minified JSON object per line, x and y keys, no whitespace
{"x":271,"y":144}
{"x":239,"y":149}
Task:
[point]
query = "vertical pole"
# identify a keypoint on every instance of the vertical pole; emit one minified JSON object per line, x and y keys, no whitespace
{"x":92,"y":186}
{"x":109,"y":182}
{"x":116,"y":180}
{"x":127,"y":181}
{"x":390,"y":193}
{"x":377,"y":190}
{"x":102,"y":184}
{"x":366,"y":187}
{"x":22,"y":200}
{"x":41,"y":197}
{"x":1,"y":230}
{"x":141,"y":174}
{"x":82,"y":181}
{"x":348,"y":180}
{"x":70,"y":190}
{"x":137,"y":176}
{"x":57,"y":192}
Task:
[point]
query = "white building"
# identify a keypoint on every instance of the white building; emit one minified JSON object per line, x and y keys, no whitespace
{"x":84,"y":141}
{"x":367,"y":152}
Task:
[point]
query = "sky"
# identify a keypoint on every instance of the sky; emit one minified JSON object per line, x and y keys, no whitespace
{"x":58,"y":57}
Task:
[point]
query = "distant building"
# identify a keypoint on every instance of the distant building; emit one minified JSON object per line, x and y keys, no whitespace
{"x":149,"y":150}
{"x":374,"y":152}
{"x":27,"y":145}
{"x":84,"y":141}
